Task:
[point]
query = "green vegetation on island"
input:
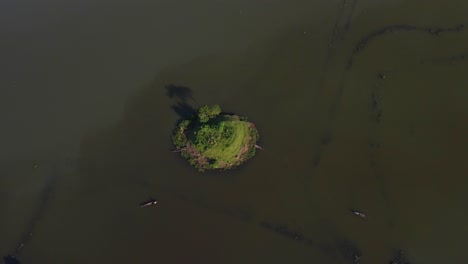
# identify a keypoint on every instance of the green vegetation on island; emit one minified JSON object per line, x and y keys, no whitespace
{"x":214,"y":140}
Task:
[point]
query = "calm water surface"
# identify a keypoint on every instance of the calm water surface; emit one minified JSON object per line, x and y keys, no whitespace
{"x":361,"y":105}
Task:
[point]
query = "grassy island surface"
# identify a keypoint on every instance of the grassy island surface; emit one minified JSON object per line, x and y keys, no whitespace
{"x":213,"y":140}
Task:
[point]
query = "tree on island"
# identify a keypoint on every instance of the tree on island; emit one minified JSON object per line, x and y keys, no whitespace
{"x":213,"y":140}
{"x":208,"y":112}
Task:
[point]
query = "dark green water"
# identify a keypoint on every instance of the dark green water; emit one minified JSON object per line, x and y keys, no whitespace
{"x":84,"y":96}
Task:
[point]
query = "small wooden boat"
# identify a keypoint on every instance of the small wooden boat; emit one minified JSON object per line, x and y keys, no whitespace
{"x":357,"y":213}
{"x":151,"y":201}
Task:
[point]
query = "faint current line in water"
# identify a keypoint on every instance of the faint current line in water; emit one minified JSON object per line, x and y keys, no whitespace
{"x":44,"y":198}
{"x":340,"y":28}
{"x":376,"y":113}
{"x":359,"y":47}
{"x":334,"y":108}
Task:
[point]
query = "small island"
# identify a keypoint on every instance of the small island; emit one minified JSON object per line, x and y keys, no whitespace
{"x":215,"y":140}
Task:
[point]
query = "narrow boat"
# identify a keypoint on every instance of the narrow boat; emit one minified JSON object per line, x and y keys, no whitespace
{"x":357,"y":213}
{"x":151,"y":201}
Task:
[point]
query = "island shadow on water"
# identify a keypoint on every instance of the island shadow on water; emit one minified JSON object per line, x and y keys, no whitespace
{"x":181,"y":96}
{"x":180,"y":92}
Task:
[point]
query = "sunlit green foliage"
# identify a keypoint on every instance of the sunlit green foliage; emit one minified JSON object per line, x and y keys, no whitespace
{"x":215,"y":141}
